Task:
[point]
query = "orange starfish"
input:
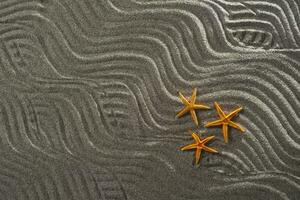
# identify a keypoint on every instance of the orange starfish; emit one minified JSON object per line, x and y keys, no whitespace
{"x":191,"y":106}
{"x":225,"y":121}
{"x":199,"y":145}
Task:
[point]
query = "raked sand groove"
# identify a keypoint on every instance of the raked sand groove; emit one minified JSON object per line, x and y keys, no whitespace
{"x":89,"y":96}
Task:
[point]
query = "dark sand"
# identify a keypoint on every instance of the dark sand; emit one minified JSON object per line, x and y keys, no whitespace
{"x":89,"y":94}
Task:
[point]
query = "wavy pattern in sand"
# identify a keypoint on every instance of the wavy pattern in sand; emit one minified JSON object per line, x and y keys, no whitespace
{"x":89,"y":94}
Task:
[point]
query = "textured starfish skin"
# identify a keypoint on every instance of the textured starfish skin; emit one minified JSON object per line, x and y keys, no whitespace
{"x":225,"y":121}
{"x":191,"y":106}
{"x":199,"y":145}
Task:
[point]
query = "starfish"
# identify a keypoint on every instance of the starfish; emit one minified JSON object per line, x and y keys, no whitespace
{"x":191,"y":106}
{"x":225,"y":121}
{"x":199,"y":145}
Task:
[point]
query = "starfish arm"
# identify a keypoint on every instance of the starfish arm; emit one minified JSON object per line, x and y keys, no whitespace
{"x":225,"y":132}
{"x":207,"y":139}
{"x":214,"y":123}
{"x":220,"y":111}
{"x":194,"y":116}
{"x":236,"y":125}
{"x":189,"y":147}
{"x":194,"y":95}
{"x":209,"y":149}
{"x":196,"y":138}
{"x":198,"y":155}
{"x":200,"y":106}
{"x":182,"y":112}
{"x":234,"y":113}
{"x":183,"y":99}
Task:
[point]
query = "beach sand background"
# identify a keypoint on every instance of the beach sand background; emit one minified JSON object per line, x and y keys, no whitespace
{"x":89,"y":93}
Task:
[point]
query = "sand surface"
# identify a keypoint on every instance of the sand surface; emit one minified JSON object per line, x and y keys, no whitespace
{"x":89,"y":93}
